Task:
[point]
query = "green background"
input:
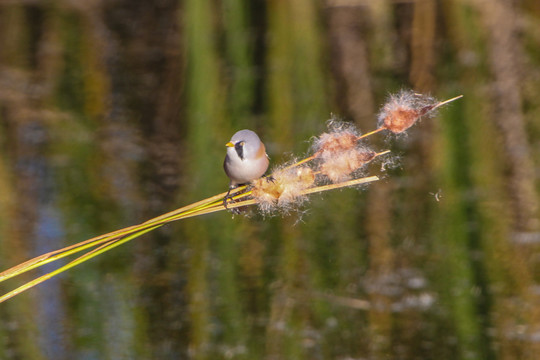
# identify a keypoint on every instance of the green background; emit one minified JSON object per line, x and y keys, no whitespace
{"x":116,"y":111}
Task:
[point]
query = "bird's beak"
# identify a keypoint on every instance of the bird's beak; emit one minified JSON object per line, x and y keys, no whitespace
{"x":229,"y":144}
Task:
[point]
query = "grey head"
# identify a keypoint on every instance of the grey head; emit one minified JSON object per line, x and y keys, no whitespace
{"x":246,"y":144}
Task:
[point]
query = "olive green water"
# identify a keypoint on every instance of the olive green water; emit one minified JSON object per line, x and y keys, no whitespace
{"x":113,"y":112}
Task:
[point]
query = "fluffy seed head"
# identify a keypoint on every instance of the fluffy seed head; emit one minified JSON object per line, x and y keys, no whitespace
{"x":340,"y":167}
{"x":301,"y":178}
{"x":283,"y":189}
{"x":403,"y":110}
{"x":340,"y":137}
{"x":335,"y":142}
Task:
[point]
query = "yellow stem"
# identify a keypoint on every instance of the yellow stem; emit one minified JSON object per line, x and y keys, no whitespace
{"x":371,"y":133}
{"x":446,"y":102}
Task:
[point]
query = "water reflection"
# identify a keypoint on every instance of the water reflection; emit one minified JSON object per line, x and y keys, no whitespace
{"x":114,"y":112}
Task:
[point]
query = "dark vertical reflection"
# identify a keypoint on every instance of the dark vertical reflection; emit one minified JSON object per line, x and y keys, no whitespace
{"x":33,"y":213}
{"x":145,"y":65}
{"x":112,"y":112}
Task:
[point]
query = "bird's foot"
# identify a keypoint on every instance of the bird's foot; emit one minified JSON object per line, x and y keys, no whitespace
{"x":228,"y":199}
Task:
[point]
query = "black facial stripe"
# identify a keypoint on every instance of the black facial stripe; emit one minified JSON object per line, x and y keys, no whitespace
{"x":239,"y":147}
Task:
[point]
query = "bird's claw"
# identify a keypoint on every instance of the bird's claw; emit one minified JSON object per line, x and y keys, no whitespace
{"x":226,"y":202}
{"x":227,"y":198}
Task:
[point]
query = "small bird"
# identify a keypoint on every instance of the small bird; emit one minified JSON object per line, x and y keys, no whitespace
{"x":246,"y":159}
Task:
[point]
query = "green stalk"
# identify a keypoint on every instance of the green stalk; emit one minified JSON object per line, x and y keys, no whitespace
{"x":91,"y":254}
{"x":119,"y":237}
{"x":73,"y":249}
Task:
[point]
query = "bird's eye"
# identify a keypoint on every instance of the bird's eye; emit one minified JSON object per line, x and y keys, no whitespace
{"x":242,"y":143}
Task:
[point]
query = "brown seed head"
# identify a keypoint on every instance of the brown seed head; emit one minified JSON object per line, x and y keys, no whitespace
{"x":341,"y":136}
{"x":400,"y":119}
{"x":335,"y":142}
{"x":403,"y":110}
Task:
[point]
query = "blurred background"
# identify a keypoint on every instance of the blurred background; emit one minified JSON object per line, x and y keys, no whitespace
{"x":113,"y":112}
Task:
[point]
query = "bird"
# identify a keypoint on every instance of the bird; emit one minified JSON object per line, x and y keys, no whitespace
{"x":246,"y":159}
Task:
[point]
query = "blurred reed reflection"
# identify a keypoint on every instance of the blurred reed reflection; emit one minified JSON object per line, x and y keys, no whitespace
{"x":112,"y":112}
